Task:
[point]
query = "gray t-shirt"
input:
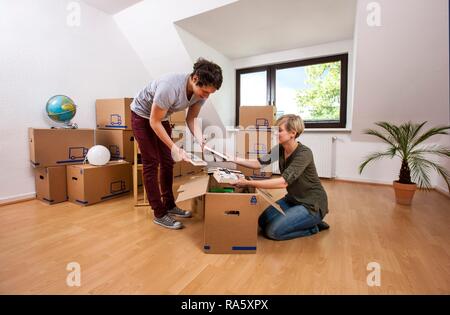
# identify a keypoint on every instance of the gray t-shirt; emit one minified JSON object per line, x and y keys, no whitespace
{"x":168,"y":92}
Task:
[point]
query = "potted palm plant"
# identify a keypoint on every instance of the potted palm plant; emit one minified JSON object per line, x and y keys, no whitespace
{"x":406,"y":142}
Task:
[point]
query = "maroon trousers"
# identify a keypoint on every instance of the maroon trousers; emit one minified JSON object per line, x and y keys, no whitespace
{"x":155,"y":153}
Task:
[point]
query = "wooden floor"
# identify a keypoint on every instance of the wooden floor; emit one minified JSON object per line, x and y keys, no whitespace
{"x":120,"y":250}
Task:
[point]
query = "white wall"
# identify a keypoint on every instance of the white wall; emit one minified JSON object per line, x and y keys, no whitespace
{"x":164,"y":48}
{"x":402,"y":66}
{"x":223,"y":100}
{"x":42,"y":56}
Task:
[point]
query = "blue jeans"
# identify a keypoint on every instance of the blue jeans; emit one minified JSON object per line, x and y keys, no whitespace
{"x":297,"y":222}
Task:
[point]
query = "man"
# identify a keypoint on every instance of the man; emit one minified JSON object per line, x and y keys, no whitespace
{"x":150,"y":111}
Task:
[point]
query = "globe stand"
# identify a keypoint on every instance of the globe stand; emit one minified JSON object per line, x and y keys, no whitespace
{"x":69,"y":125}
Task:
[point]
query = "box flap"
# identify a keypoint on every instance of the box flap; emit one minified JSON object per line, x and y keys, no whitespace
{"x":269,"y":198}
{"x":194,"y":188}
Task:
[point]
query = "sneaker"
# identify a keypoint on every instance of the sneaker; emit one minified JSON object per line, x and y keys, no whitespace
{"x":180,"y":212}
{"x":168,"y":222}
{"x":323,"y":226}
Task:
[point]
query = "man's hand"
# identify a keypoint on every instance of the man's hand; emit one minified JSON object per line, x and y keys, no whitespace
{"x":223,"y":156}
{"x":201,"y":142}
{"x":183,"y":155}
{"x":178,"y":154}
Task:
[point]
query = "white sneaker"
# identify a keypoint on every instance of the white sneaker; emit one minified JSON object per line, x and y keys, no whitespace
{"x":168,"y":222}
{"x":180,"y":212}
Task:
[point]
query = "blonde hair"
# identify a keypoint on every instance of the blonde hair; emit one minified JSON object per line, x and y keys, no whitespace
{"x":292,"y":123}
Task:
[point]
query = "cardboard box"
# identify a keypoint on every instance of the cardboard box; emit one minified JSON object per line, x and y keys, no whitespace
{"x":198,"y":207}
{"x":119,"y":142}
{"x":187,"y":168}
{"x":88,"y":184}
{"x":257,"y":116}
{"x":178,"y":117}
{"x":264,"y":173}
{"x":177,"y":169}
{"x":113,"y":113}
{"x":251,"y":144}
{"x":53,"y":147}
{"x":230,"y":219}
{"x":51,"y":186}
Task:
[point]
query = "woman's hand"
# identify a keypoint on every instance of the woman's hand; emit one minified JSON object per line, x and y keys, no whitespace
{"x":242,"y":182}
{"x":230,"y":158}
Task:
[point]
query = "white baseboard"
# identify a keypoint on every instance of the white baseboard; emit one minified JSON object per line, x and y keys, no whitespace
{"x":365,"y":181}
{"x":17,"y":198}
{"x":442,"y":190}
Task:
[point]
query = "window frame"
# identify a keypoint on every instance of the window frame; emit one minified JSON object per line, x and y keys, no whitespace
{"x":271,"y":86}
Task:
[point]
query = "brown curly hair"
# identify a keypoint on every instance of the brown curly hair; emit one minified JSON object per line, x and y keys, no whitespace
{"x":208,"y":73}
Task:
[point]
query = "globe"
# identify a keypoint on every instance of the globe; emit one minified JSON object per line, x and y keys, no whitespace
{"x":61,"y":109}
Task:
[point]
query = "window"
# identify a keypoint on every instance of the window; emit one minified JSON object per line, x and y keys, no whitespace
{"x":315,"y":89}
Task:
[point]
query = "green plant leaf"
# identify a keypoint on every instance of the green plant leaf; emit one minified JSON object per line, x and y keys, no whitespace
{"x":386,"y":138}
{"x":420,"y":172}
{"x":392,"y":129}
{"x":432,"y":149}
{"x":424,"y":163}
{"x":375,"y":156}
{"x":416,"y":130}
{"x":430,"y":133}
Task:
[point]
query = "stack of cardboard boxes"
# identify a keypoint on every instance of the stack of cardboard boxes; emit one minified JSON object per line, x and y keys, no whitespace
{"x":256,"y":137}
{"x":58,"y":156}
{"x":88,"y":184}
{"x":50,"y":151}
{"x":114,"y":127}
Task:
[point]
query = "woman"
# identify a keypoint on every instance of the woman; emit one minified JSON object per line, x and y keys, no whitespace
{"x":305,"y":203}
{"x":149,"y":118}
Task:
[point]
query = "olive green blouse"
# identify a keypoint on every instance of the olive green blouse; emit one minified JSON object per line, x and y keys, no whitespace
{"x":299,"y":172}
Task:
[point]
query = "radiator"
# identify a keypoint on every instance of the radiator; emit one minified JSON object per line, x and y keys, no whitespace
{"x":323,"y":148}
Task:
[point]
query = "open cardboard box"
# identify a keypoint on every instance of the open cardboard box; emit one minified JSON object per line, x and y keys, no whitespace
{"x":230,"y":218}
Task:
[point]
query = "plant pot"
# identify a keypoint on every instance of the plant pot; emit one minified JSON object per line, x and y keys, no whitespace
{"x":404,"y":193}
